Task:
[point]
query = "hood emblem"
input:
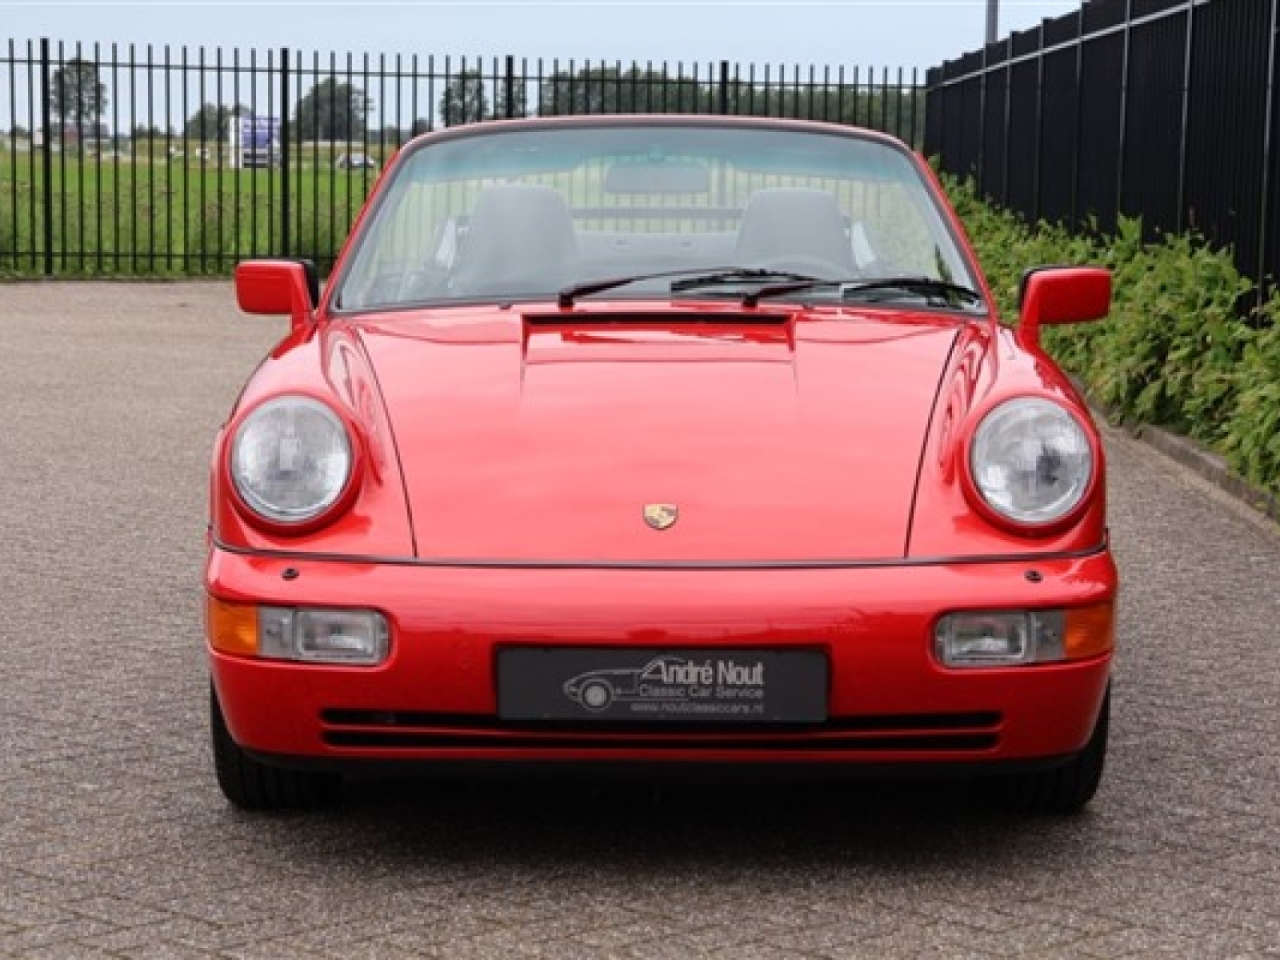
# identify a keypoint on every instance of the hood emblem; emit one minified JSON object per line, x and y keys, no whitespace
{"x":660,"y":516}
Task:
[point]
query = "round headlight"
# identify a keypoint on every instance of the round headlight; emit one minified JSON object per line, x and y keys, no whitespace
{"x":1031,"y":460}
{"x":291,"y":459}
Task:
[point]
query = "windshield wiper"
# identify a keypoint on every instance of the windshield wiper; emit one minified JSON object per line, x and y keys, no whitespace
{"x":742,"y":275}
{"x":700,"y":277}
{"x":930,"y":286}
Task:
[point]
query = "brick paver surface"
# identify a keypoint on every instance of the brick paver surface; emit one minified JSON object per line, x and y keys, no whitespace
{"x":114,"y":840}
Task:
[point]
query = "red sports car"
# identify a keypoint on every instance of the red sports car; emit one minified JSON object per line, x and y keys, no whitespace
{"x":682,"y":440}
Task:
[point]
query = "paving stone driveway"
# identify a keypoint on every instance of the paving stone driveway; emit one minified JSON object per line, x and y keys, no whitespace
{"x":115,"y":842}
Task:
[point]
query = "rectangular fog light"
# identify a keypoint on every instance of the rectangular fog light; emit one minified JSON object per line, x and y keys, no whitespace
{"x":999,"y":638}
{"x":317,"y":635}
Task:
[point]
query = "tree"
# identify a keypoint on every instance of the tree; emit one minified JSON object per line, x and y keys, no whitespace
{"x":610,"y":90}
{"x":464,"y":99}
{"x":519,"y":99}
{"x":332,"y":110}
{"x":392,"y":136}
{"x":211,"y":121}
{"x":76,"y":95}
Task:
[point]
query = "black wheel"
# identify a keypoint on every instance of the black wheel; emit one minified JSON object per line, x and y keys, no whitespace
{"x":252,"y":785}
{"x":1066,"y":789}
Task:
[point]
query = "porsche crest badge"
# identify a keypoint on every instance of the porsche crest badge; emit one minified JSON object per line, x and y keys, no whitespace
{"x":660,"y":516}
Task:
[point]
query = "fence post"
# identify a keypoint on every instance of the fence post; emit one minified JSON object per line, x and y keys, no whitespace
{"x":46,"y":119}
{"x":1124,"y":109}
{"x":1036,"y":177}
{"x":1006,"y":158}
{"x":510,"y":82}
{"x":724,"y":87}
{"x":1265,"y":240}
{"x":1077,"y":121}
{"x":979,"y":176}
{"x":918,"y":136}
{"x":284,"y":151}
{"x":1185,"y":134}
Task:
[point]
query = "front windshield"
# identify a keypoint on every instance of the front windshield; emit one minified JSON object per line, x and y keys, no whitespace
{"x":521,"y":214}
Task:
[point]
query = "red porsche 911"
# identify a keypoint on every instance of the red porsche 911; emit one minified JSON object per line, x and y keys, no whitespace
{"x":659,"y":440}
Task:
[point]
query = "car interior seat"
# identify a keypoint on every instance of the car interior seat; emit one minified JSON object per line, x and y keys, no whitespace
{"x":800,"y":230}
{"x":519,"y":239}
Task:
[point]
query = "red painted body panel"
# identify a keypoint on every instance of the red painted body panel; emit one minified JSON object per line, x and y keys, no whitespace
{"x":987,"y":369}
{"x":830,"y":408}
{"x":791,"y":440}
{"x":448,"y":622}
{"x":327,"y":362}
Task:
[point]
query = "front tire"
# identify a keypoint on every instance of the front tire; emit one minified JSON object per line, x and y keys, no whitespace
{"x":1066,"y":789}
{"x":252,"y":785}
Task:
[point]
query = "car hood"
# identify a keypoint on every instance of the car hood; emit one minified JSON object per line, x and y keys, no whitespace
{"x":543,"y":437}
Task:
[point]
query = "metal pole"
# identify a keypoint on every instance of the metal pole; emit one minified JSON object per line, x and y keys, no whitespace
{"x":1075,"y":141}
{"x":1007,"y":159}
{"x":1185,"y":134}
{"x":982,"y":120}
{"x":1265,"y":238}
{"x":1036,"y":175}
{"x":509,"y":87}
{"x":284,"y":151}
{"x":992,"y":30}
{"x":47,"y":120}
{"x":1124,"y":109}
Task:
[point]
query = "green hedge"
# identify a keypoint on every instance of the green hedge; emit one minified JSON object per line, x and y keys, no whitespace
{"x":1183,"y":347}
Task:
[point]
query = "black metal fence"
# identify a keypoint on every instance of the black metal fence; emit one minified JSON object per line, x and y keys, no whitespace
{"x":120,"y":160}
{"x":1159,"y":109}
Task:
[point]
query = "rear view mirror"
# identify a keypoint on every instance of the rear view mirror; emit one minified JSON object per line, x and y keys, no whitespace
{"x":275,"y":287}
{"x":657,"y":177}
{"x":1050,"y":295}
{"x":313,"y":278}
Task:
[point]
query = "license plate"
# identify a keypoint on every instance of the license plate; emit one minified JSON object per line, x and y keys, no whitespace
{"x":663,"y":687}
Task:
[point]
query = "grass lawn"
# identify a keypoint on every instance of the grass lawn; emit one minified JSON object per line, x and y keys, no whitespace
{"x":135,"y":216}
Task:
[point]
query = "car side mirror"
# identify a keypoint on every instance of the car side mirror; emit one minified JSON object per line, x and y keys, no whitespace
{"x":1060,"y":295}
{"x":275,"y":287}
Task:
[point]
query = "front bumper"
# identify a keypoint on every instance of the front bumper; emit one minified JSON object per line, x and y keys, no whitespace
{"x":435,"y":697}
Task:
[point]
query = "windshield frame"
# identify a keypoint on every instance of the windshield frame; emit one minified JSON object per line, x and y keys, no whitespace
{"x":385,"y":190}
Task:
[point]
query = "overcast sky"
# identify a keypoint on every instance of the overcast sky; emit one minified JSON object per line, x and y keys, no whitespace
{"x":881,"y":33}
